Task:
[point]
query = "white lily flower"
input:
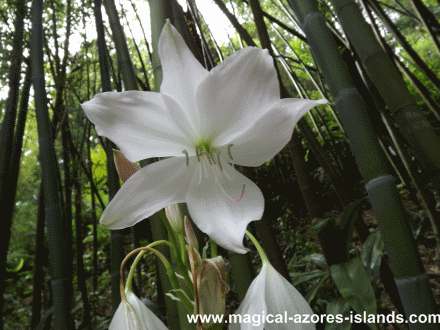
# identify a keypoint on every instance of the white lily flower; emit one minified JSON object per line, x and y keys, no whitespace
{"x":269,"y":299}
{"x":205,"y":121}
{"x":132,"y":314}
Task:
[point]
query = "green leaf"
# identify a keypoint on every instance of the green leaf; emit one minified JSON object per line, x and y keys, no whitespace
{"x":338,"y":307}
{"x":299,"y":278}
{"x":354,"y":285}
{"x":88,"y":239}
{"x":319,"y":225}
{"x":18,"y":267}
{"x":316,"y":258}
{"x":314,"y":291}
{"x":372,"y":255}
{"x":350,"y":215}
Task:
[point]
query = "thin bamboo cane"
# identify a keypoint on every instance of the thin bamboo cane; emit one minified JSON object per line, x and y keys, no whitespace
{"x":388,"y":207}
{"x":56,"y":227}
{"x":421,"y":65}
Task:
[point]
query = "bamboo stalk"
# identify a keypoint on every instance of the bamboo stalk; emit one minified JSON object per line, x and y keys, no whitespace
{"x":6,"y":140}
{"x":56,"y":227}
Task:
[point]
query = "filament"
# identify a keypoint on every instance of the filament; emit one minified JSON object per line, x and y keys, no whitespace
{"x":187,"y":157}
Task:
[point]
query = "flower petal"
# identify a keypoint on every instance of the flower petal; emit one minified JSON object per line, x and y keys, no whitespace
{"x":142,"y":124}
{"x":236,"y":93}
{"x":282,"y":296}
{"x":182,"y":73}
{"x":224,"y":220}
{"x":262,"y":141}
{"x":148,"y":320}
{"x":254,"y":303}
{"x":149,"y":190}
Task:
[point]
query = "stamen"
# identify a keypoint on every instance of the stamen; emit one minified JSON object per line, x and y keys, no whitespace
{"x":207,"y":156}
{"x":197,"y":152}
{"x":232,"y":200}
{"x":187,"y":157}
{"x":229,"y":151}
{"x":218,"y":159}
{"x":212,"y":154}
{"x":241,"y":197}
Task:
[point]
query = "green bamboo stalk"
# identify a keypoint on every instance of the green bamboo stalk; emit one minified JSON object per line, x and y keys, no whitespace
{"x":240,"y":29}
{"x":39,"y":257}
{"x":59,"y":252}
{"x":150,"y":55}
{"x":124,"y":59}
{"x":184,"y":23}
{"x":7,"y":137}
{"x":408,"y":115}
{"x":116,"y":237}
{"x":160,"y":10}
{"x":145,"y":84}
{"x":387,"y":204}
{"x":80,"y":271}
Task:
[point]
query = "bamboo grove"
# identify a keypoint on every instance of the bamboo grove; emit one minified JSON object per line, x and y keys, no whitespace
{"x":352,"y":202}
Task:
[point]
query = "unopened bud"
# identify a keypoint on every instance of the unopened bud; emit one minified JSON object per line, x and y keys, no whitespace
{"x":124,"y":167}
{"x":190,"y":236}
{"x":174,"y":216}
{"x":211,"y":288}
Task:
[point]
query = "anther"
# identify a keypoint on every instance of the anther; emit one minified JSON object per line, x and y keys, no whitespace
{"x":229,"y":151}
{"x":187,"y":157}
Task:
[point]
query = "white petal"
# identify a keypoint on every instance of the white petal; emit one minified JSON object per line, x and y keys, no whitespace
{"x":282,"y":296}
{"x":236,"y":93}
{"x":253,"y":304}
{"x":149,"y":190}
{"x":147,"y":317}
{"x":216,"y":214}
{"x":262,"y":141}
{"x":182,"y":73}
{"x":142,"y":124}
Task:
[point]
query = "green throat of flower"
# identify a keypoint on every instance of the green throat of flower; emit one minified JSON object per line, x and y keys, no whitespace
{"x":209,"y":159}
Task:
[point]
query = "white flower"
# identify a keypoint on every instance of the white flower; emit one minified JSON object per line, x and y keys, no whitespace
{"x":205,"y":121}
{"x":132,"y":314}
{"x":270,"y":293}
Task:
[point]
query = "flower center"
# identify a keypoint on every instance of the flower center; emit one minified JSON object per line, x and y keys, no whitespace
{"x":210,"y":162}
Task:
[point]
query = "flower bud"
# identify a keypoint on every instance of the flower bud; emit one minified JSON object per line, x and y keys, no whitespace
{"x":174,"y":216}
{"x":211,"y":288}
{"x":190,"y":236}
{"x":124,"y":167}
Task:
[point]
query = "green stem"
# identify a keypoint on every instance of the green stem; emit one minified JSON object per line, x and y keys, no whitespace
{"x":183,"y":250}
{"x":184,"y":269}
{"x":138,"y":258}
{"x":213,"y":248}
{"x":260,"y":250}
